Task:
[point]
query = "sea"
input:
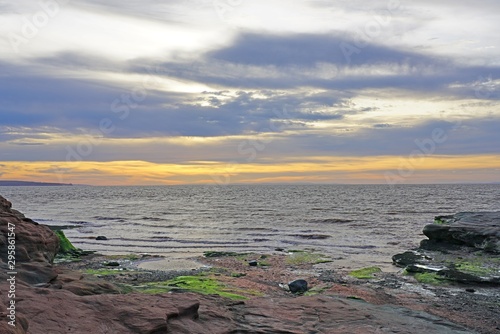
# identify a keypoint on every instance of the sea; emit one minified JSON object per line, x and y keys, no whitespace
{"x":354,"y":225}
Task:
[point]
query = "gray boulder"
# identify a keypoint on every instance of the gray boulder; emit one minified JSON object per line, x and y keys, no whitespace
{"x":474,"y":229}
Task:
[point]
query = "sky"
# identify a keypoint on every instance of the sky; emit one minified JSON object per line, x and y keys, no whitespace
{"x":249,"y":91}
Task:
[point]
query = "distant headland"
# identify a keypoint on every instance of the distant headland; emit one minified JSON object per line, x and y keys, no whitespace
{"x":9,"y":183}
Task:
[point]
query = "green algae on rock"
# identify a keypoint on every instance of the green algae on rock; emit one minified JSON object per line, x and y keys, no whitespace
{"x":198,"y":284}
{"x":67,"y":252}
{"x":365,"y":273}
{"x":303,"y":257}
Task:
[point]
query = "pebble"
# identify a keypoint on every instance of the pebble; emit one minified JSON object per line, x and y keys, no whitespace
{"x":298,"y":286}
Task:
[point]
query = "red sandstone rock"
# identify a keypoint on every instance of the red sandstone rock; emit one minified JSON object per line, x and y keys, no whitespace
{"x":35,"y":246}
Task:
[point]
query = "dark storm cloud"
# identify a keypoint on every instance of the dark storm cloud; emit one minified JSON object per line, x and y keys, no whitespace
{"x":241,"y":114}
{"x":256,"y":61}
{"x":308,"y":49}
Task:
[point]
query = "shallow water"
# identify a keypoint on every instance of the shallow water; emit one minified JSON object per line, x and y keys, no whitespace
{"x":356,"y":225}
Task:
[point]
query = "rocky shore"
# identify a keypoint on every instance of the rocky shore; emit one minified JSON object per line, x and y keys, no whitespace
{"x":59,"y":289}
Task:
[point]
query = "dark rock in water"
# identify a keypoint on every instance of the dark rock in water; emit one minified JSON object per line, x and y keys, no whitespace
{"x":470,"y":290}
{"x":253,"y":263}
{"x":298,"y":286}
{"x":112,"y":264}
{"x":474,"y":229}
{"x":279,"y":249}
{"x":461,"y":248}
{"x":101,"y":237}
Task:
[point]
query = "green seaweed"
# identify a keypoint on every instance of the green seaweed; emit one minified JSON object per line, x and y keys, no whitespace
{"x":439,"y":221}
{"x":365,"y":273}
{"x":315,"y":291}
{"x":476,"y":267}
{"x":67,"y":252}
{"x":303,"y":257}
{"x":65,"y":246}
{"x":198,"y":284}
{"x":238,"y":275}
{"x":428,"y":278}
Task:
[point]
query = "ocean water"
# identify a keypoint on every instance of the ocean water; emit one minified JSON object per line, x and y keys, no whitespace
{"x":355,"y":225}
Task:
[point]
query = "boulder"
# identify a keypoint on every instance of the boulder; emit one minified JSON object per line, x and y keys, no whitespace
{"x":298,"y":286}
{"x":253,"y":263}
{"x":112,"y":264}
{"x":474,"y":229}
{"x":5,"y":205}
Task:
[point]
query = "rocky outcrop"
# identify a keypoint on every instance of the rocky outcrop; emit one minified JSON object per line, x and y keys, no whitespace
{"x":329,"y":314}
{"x":463,"y":247}
{"x":131,"y":313}
{"x":35,"y":246}
{"x":480,"y":230}
{"x":59,"y":311}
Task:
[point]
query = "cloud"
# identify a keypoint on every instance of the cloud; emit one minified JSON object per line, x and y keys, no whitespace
{"x":309,"y":49}
{"x":468,"y":137}
{"x":336,"y":61}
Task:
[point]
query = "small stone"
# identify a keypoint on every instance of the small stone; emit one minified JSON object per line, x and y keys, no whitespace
{"x":253,"y":263}
{"x":470,"y":290}
{"x":298,"y":286}
{"x":112,"y":264}
{"x":279,"y":249}
{"x":101,"y":237}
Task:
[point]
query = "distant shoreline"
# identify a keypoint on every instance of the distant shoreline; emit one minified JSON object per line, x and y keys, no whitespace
{"x":30,"y":183}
